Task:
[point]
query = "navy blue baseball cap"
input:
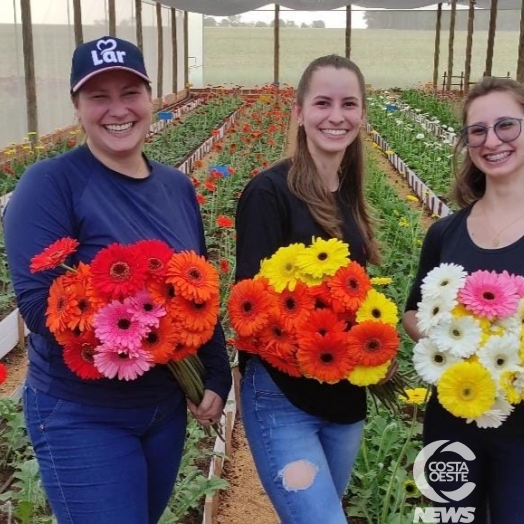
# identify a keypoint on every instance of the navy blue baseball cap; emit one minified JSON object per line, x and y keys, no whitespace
{"x":105,"y":54}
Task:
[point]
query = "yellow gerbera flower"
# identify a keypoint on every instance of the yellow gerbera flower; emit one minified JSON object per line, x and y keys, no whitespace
{"x":377,"y":307}
{"x":368,"y":375}
{"x":415,"y":396}
{"x":507,"y":384}
{"x":460,"y":311}
{"x":466,"y":390}
{"x":281,"y":270}
{"x":323,"y":257}
{"x":381,"y":281}
{"x":411,"y":489}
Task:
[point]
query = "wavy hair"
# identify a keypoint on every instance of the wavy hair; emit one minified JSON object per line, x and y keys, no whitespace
{"x":305,"y":182}
{"x":470,"y":181}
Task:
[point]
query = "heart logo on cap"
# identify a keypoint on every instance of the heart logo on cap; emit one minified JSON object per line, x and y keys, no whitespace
{"x":106,"y":45}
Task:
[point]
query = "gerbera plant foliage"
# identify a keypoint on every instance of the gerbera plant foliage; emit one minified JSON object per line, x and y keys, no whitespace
{"x":471,"y":348}
{"x":133,"y":307}
{"x":312,"y":312}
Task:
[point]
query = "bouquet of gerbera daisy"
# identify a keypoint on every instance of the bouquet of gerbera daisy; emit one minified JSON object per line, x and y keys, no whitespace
{"x":471,"y":349}
{"x":312,"y":312}
{"x":133,"y":307}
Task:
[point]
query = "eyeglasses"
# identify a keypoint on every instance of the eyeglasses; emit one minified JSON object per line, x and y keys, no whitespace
{"x":506,"y":130}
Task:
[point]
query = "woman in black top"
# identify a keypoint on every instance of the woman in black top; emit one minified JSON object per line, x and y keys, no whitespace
{"x":304,"y":435}
{"x":488,"y":234}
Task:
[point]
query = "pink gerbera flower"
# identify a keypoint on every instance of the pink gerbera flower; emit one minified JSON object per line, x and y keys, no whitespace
{"x":144,"y":310}
{"x":489,"y":294}
{"x":117,"y":363}
{"x":115,"y":327}
{"x":518,"y":281}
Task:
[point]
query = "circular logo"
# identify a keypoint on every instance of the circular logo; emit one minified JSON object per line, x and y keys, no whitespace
{"x":443,"y":471}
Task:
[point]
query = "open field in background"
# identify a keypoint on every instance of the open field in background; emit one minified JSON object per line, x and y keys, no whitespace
{"x":387,"y":57}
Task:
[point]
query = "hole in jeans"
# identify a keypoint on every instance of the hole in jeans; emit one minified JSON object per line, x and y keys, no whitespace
{"x":298,"y":475}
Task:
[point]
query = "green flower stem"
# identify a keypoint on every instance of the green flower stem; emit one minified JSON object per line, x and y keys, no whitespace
{"x":397,"y":463}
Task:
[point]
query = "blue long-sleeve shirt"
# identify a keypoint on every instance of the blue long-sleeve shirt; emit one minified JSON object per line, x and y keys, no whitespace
{"x":75,"y":195}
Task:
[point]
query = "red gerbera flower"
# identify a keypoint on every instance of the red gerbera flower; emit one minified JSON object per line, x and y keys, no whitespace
{"x":157,"y":255}
{"x":325,"y":358}
{"x":224,"y":265}
{"x":193,"y":276}
{"x":373,"y":343}
{"x":275,"y":336}
{"x":118,"y":271}
{"x":79,"y":356}
{"x":54,"y":255}
{"x":201,"y":199}
{"x":223,"y":221}
{"x":3,"y":373}
{"x":210,"y":186}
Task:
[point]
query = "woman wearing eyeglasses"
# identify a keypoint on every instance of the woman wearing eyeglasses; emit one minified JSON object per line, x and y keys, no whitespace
{"x":487,"y":233}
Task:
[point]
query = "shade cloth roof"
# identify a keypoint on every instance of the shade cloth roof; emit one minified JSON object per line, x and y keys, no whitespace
{"x":234,"y":7}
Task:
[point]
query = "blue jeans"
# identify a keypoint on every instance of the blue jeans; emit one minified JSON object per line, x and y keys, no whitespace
{"x":304,"y":462}
{"x":106,"y":465}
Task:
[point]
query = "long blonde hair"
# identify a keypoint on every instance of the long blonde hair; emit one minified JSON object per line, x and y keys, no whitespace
{"x":305,"y":182}
{"x":470,"y":181}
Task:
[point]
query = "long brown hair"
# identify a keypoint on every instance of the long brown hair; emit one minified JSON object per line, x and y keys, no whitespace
{"x":305,"y":182}
{"x":470,"y":181}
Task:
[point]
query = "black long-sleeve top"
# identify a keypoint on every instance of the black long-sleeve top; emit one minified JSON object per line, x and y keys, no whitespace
{"x":269,"y":217}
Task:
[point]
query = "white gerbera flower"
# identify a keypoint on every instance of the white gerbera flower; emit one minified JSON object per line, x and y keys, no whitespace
{"x":511,"y":325}
{"x":431,"y":311}
{"x":445,"y":279}
{"x":493,"y":418}
{"x":500,"y":354}
{"x":430,"y":362}
{"x":459,"y":335}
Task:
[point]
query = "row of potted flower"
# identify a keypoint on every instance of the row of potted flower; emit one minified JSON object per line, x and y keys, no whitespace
{"x":421,"y":151}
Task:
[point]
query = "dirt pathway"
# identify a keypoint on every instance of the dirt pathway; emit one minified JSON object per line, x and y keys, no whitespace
{"x":245,"y":501}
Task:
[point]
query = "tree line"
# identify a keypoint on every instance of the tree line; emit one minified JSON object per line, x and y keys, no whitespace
{"x":236,"y":21}
{"x":507,"y":20}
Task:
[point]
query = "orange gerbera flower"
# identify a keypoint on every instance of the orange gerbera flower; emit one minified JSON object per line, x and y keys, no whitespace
{"x":161,"y":340}
{"x":275,"y":336}
{"x":283,"y":360}
{"x":157,"y":255}
{"x":188,"y":337}
{"x":54,"y":255}
{"x":295,"y":306}
{"x":198,"y":316}
{"x":248,"y":344}
{"x":325,"y":358}
{"x":78,"y":356}
{"x":163,"y":294}
{"x":322,"y":322}
{"x":350,"y":285}
{"x":62,"y":306}
{"x":181,"y":351}
{"x":118,"y":271}
{"x":373,"y":343}
{"x":251,"y":306}
{"x":193,"y":276}
{"x":79,"y":286}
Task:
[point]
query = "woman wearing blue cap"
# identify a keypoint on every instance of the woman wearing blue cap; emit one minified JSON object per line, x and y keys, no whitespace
{"x":108,"y":449}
